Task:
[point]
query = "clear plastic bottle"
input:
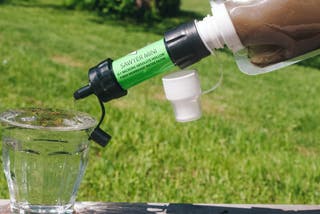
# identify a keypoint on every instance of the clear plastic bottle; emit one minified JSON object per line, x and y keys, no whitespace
{"x":264,"y":35}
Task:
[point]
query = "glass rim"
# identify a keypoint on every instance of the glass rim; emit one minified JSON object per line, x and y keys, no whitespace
{"x":87,"y":122}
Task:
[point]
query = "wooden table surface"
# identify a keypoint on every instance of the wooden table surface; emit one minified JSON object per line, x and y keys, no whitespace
{"x":156,"y":208}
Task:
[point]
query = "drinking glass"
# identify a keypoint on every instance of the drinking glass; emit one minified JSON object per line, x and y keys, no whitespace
{"x":45,"y":153}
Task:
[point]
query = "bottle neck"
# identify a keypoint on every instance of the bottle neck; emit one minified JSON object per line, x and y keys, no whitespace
{"x":209,"y":33}
{"x":218,"y":30}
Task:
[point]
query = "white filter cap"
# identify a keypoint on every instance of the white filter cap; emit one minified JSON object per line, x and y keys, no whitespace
{"x":183,"y":90}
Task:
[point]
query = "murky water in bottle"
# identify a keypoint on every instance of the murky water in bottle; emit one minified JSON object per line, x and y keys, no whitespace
{"x":275,"y":31}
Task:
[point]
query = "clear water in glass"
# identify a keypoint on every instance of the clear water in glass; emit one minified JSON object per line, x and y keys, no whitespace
{"x":45,"y":153}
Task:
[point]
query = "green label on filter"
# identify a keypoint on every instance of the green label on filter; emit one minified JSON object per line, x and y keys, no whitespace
{"x":142,"y":64}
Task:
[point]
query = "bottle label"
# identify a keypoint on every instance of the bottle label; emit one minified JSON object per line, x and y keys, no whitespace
{"x":142,"y":64}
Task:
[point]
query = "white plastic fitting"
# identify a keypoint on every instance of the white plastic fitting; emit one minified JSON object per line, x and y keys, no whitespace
{"x":218,"y":30}
{"x":183,"y":90}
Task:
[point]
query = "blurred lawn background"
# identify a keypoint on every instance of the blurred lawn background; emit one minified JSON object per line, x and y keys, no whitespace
{"x":257,"y":142}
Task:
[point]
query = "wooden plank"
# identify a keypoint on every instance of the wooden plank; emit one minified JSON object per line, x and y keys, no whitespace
{"x":149,"y":208}
{"x":166,"y":208}
{"x":4,"y":206}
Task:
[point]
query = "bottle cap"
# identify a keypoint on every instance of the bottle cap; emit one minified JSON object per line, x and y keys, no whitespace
{"x":183,"y":90}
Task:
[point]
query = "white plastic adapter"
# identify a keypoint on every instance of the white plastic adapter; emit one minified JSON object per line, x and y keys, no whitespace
{"x":183,"y":90}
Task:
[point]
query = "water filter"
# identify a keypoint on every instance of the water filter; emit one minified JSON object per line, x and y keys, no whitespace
{"x":264,"y":35}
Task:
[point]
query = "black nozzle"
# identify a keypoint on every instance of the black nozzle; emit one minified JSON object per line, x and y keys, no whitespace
{"x":102,"y":83}
{"x":83,"y":92}
{"x":100,"y":137}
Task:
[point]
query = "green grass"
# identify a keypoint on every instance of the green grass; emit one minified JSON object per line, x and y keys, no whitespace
{"x":257,"y":142}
